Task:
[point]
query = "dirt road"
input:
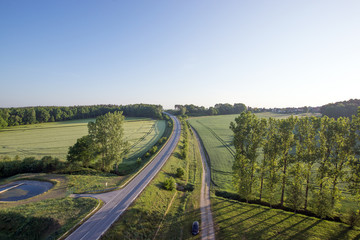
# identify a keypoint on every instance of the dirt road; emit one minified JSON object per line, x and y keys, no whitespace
{"x":207,"y":223}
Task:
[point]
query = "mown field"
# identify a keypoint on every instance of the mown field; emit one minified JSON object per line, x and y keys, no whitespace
{"x":217,"y":138}
{"x":54,"y":139}
{"x":162,"y":214}
{"x":235,"y":220}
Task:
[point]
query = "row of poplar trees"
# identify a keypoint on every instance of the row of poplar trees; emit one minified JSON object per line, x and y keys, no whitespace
{"x":300,"y":162}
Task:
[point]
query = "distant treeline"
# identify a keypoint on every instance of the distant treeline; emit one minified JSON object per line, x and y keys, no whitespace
{"x":218,"y":109}
{"x":31,"y":115}
{"x":341,"y":109}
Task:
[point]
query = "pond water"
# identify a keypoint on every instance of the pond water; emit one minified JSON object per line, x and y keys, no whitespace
{"x":20,"y":190}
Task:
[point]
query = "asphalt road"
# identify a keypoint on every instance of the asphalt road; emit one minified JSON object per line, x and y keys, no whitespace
{"x":207,"y":223}
{"x":117,"y":202}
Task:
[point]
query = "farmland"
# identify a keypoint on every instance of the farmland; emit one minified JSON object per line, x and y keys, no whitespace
{"x":54,"y":139}
{"x":217,"y":139}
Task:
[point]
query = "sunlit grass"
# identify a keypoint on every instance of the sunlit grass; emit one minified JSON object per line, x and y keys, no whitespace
{"x":235,"y":220}
{"x":54,"y":139}
{"x":42,"y":219}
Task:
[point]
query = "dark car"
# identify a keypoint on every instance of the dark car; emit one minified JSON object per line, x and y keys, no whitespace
{"x":195,"y":228}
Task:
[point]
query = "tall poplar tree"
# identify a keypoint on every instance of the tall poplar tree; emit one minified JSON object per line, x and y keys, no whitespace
{"x":322,"y":201}
{"x":107,"y":134}
{"x":248,"y":135}
{"x":306,"y":148}
{"x":341,"y":155}
{"x":287,"y":142}
{"x":269,"y":164}
{"x":354,"y":174}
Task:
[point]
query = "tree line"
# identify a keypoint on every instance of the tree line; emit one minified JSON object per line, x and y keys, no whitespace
{"x":218,"y":109}
{"x":300,"y":162}
{"x":31,"y":115}
{"x":341,"y":109}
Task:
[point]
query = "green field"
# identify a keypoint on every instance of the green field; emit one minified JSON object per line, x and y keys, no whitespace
{"x":47,"y":219}
{"x":54,"y":139}
{"x":217,"y":138}
{"x":235,"y":220}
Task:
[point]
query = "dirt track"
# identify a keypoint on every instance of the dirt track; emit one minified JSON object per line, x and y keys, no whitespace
{"x":207,"y":223}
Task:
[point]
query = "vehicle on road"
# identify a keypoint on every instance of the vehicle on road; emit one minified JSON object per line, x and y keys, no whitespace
{"x":195,"y":228}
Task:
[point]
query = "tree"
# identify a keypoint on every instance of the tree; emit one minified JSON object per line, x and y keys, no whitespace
{"x":286,"y":128}
{"x":354,"y":174}
{"x":108,"y":136}
{"x":322,"y":201}
{"x":270,"y":165}
{"x":42,"y":115}
{"x":82,"y":151}
{"x":180,"y":172}
{"x":306,"y":148}
{"x":248,"y":135}
{"x":3,"y":123}
{"x":169,"y":184}
{"x":295,"y":194}
{"x":341,"y":155}
{"x":29,"y":116}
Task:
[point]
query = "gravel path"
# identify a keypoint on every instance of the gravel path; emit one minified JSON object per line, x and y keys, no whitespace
{"x":207,"y":223}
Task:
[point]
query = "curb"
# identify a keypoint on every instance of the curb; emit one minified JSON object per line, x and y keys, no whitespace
{"x":100,"y":203}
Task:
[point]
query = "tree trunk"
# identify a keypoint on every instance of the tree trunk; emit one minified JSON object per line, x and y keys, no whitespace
{"x":283,"y":183}
{"x":333,"y":192}
{"x":261,"y":185}
{"x":307,"y":187}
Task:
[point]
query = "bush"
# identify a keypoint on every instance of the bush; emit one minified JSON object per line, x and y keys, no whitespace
{"x":169,"y":184}
{"x":180,"y":172}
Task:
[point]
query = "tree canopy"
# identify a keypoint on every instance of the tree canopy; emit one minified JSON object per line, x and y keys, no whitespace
{"x":105,"y":146}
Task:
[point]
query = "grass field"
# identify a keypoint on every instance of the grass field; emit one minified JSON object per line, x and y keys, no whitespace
{"x":47,"y":219}
{"x":217,"y":138}
{"x":147,"y":215}
{"x":54,"y":139}
{"x":235,"y":220}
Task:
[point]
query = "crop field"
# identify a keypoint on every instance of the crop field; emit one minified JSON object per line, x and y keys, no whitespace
{"x":217,"y":138}
{"x":54,"y":139}
{"x":237,"y":220}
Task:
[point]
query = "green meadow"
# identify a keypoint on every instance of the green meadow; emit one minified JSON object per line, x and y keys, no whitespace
{"x":54,"y":139}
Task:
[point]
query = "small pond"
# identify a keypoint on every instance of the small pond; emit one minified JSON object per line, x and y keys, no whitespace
{"x":24,"y":189}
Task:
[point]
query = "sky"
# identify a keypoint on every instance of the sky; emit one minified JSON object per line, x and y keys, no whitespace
{"x":260,"y":53}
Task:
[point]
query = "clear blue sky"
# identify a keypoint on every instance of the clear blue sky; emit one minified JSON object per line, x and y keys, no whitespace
{"x":261,"y":53}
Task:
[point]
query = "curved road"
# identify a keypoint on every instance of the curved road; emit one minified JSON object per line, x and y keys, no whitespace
{"x":116,"y":202}
{"x":207,"y":223}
